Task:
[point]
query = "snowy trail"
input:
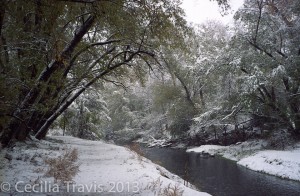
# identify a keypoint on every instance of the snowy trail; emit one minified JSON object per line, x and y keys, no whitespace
{"x":120,"y":171}
{"x":105,"y":169}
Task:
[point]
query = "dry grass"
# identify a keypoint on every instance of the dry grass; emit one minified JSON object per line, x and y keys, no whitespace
{"x":186,"y":175}
{"x":154,"y":186}
{"x":137,"y":149}
{"x":38,"y":170}
{"x":171,"y":190}
{"x":157,"y":162}
{"x":64,"y":167}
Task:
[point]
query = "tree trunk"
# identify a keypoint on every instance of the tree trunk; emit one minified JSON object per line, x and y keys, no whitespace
{"x":41,"y":133}
{"x":186,"y":90}
{"x":16,"y":129}
{"x":43,"y":130}
{"x":293,"y":104}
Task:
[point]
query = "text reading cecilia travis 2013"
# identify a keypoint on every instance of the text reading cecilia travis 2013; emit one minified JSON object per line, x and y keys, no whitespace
{"x":69,"y":187}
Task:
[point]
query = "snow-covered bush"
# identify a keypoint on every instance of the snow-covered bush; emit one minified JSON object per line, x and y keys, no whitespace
{"x":279,"y":139}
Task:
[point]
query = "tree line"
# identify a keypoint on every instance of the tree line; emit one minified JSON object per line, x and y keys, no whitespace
{"x":67,"y":64}
{"x":51,"y":52}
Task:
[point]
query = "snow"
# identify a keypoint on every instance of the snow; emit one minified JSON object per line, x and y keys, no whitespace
{"x":104,"y":168}
{"x":209,"y":149}
{"x":253,"y":155}
{"x":285,"y":164}
{"x":158,"y":142}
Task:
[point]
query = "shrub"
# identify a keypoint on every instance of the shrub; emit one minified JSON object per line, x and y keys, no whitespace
{"x":170,"y":190}
{"x":63,"y":168}
{"x":279,"y":139}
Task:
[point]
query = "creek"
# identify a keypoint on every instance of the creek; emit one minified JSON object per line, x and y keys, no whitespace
{"x":218,"y":176}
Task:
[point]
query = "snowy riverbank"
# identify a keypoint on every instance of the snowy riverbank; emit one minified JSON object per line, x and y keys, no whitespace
{"x":253,"y":155}
{"x":104,"y":168}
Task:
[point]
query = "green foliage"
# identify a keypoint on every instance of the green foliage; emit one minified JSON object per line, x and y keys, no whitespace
{"x":181,"y":115}
{"x":164,"y":95}
{"x":268,"y":57}
{"x":52,"y":51}
{"x":86,"y":117}
{"x":169,"y":99}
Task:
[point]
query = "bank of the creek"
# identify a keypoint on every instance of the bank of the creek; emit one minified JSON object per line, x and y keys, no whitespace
{"x":219,"y":176}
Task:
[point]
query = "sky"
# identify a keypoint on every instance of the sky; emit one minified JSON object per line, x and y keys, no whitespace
{"x":199,"y":11}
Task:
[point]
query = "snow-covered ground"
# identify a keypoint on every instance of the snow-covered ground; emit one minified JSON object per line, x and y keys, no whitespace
{"x":104,"y":168}
{"x":253,"y":155}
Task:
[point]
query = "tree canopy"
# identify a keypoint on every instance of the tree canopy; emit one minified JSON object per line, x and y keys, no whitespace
{"x":134,"y":67}
{"x":52,"y":52}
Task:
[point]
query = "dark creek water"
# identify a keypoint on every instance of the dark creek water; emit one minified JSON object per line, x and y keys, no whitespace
{"x":218,"y":176}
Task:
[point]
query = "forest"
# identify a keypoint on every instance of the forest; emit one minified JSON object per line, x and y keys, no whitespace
{"x":129,"y":69}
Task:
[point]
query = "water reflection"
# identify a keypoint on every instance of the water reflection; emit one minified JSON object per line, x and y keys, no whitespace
{"x":221,"y":177}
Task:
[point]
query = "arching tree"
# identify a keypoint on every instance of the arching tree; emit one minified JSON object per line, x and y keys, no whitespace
{"x":52,"y":52}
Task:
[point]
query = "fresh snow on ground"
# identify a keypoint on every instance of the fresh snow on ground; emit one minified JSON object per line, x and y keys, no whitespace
{"x":285,"y":164}
{"x":104,"y":168}
{"x":233,"y":152}
{"x":253,"y":155}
